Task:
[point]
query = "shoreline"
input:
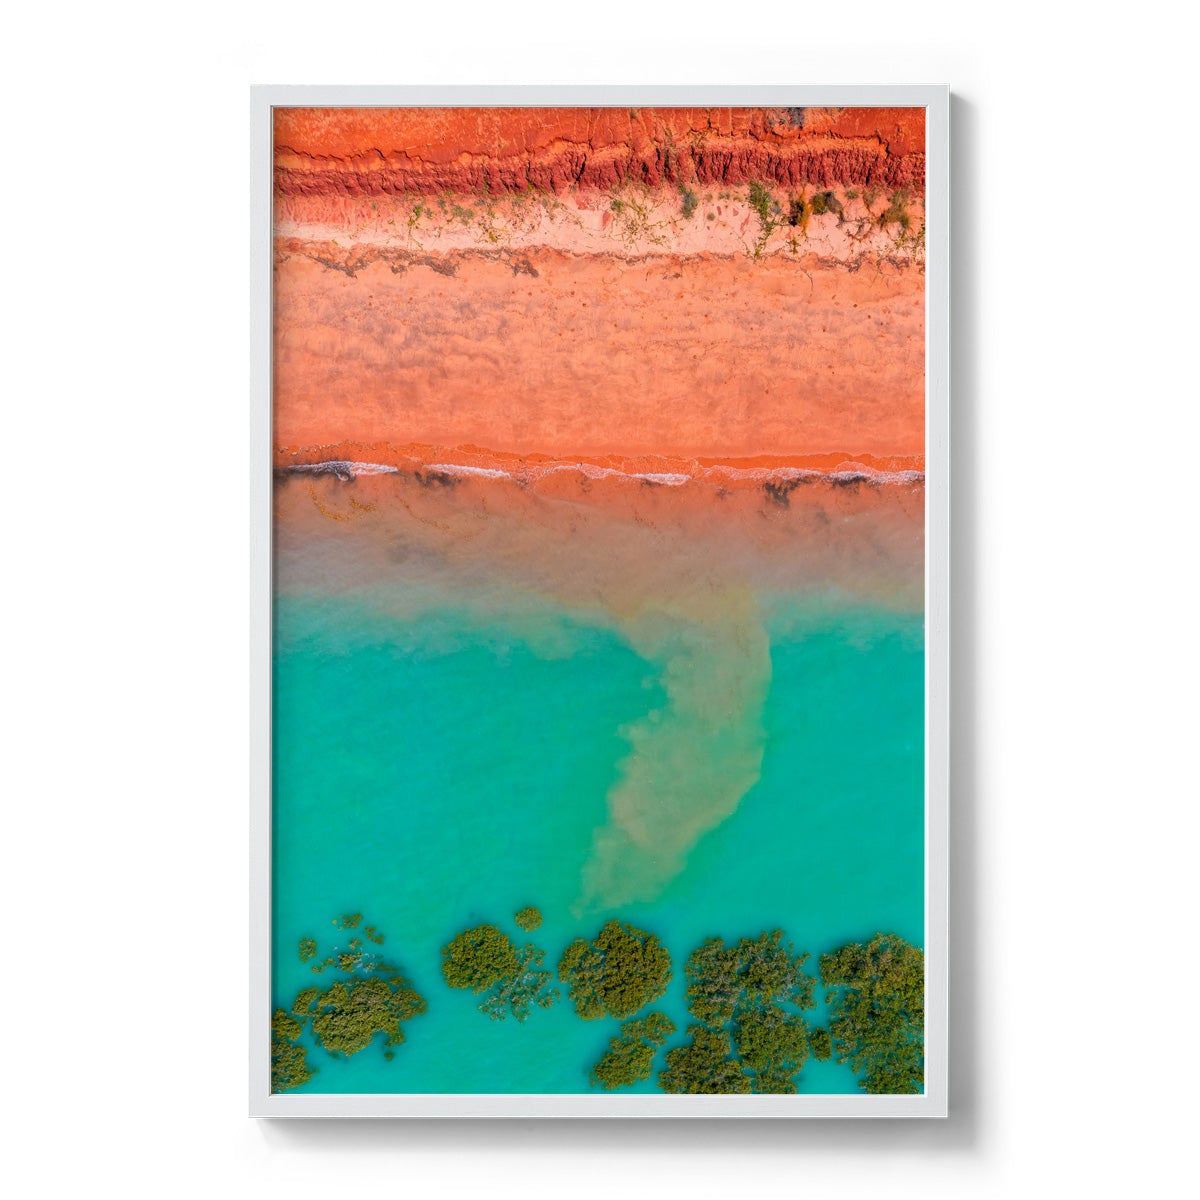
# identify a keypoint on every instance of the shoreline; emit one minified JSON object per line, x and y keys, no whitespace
{"x":623,"y":541}
{"x":362,"y":458}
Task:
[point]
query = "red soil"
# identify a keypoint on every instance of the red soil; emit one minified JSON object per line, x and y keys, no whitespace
{"x":366,"y":151}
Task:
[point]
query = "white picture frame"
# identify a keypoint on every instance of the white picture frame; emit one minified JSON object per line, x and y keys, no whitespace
{"x":933,"y":1102}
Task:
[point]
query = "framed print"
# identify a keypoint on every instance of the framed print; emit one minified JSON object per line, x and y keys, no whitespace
{"x":600,"y":630}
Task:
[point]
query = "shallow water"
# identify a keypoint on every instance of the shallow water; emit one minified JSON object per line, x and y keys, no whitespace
{"x":438,"y":766}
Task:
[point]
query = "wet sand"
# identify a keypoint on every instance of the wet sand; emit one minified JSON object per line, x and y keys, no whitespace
{"x":611,"y":544}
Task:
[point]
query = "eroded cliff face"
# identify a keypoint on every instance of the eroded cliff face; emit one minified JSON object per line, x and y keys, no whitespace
{"x":372,"y":152}
{"x":607,"y":284}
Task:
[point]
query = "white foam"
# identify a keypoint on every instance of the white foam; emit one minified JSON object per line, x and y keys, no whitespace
{"x":859,"y":473}
{"x":669,"y":480}
{"x":456,"y":469}
{"x":364,"y":468}
{"x":589,"y":470}
{"x":337,"y":466}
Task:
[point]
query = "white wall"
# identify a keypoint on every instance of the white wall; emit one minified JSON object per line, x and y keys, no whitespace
{"x":125,"y":244}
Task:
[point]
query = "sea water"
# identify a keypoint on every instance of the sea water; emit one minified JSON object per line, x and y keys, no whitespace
{"x":440,"y":770}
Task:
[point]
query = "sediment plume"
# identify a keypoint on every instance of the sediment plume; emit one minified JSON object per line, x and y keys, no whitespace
{"x":691,"y":761}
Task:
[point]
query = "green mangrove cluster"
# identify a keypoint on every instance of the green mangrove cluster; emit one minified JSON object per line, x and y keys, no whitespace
{"x":528,"y":919}
{"x":369,"y":997}
{"x":747,"y":1000}
{"x":510,"y":978}
{"x":619,"y":971}
{"x":630,"y":1055}
{"x":877,"y":1012}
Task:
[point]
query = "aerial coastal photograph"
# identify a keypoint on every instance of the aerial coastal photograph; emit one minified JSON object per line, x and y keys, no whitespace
{"x":598,"y":622}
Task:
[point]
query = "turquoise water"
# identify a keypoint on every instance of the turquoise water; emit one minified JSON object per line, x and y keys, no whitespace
{"x":440,"y":771}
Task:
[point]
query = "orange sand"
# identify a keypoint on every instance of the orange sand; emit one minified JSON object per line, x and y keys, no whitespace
{"x":567,"y":355}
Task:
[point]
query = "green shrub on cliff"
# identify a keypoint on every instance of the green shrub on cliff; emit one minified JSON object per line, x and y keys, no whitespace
{"x":759,"y":199}
{"x":825,"y":202}
{"x":619,"y":971}
{"x":877,"y":1010}
{"x":897,"y":212}
{"x":769,"y":212}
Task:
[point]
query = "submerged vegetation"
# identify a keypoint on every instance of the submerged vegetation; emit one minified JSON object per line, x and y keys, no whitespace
{"x":630,"y":1055}
{"x":527,"y":986}
{"x":619,"y":971}
{"x":877,"y":1012}
{"x":484,"y":960}
{"x":371,"y":997}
